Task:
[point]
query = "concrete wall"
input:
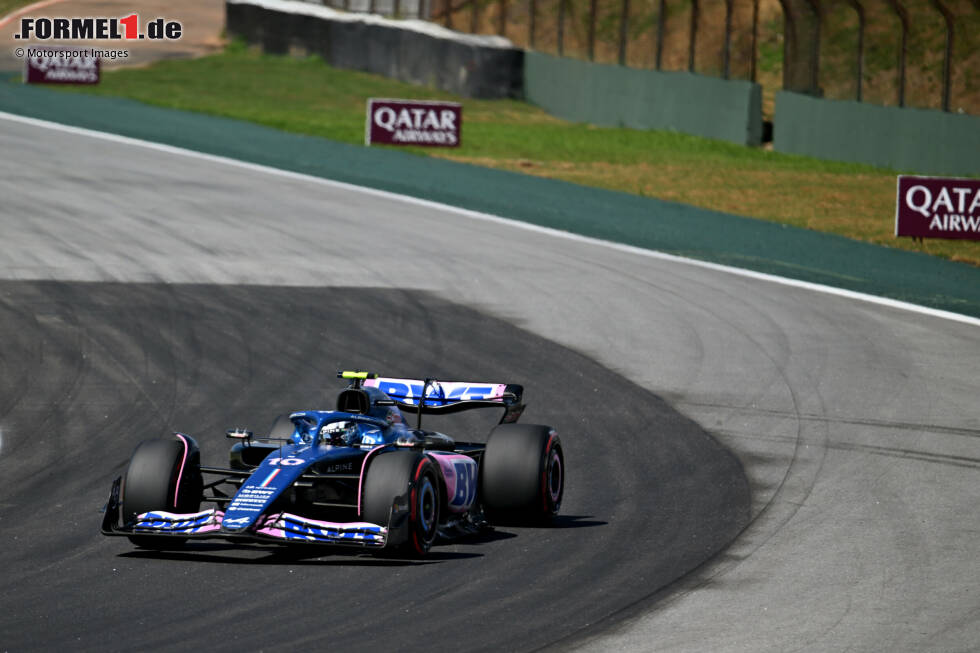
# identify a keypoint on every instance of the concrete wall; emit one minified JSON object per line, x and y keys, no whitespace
{"x":411,"y":50}
{"x":406,"y":8}
{"x":914,"y":140}
{"x":601,"y":94}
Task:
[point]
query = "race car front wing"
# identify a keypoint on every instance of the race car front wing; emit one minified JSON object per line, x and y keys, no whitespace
{"x":279,"y":527}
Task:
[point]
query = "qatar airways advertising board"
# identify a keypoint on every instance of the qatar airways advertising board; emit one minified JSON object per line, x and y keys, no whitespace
{"x":413,"y":122}
{"x":938,"y":207}
{"x":60,"y":66}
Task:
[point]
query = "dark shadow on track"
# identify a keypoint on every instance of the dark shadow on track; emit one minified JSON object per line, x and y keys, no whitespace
{"x":294,"y":558}
{"x":91,"y":369}
{"x":577,"y":521}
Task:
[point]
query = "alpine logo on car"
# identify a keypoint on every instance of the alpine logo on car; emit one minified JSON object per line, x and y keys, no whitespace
{"x":235,"y":522}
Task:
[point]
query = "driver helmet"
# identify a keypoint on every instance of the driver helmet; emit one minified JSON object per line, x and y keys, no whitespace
{"x":336,"y":432}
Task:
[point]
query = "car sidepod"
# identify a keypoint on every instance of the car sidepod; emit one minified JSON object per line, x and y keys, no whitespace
{"x":459,"y":477}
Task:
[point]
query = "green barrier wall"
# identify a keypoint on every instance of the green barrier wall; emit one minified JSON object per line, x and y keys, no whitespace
{"x":914,"y":140}
{"x":608,"y":95}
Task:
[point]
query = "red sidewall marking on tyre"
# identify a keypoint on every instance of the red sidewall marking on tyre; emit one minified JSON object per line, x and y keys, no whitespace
{"x":544,"y":472}
{"x":415,"y":479}
{"x":554,"y":492}
{"x":180,"y":473}
{"x":413,"y":497}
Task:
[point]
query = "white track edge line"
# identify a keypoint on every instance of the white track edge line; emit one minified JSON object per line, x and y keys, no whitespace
{"x":487,"y":217}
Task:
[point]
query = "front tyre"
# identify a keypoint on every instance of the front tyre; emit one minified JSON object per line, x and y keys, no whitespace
{"x":522,"y":476}
{"x":163,"y":474}
{"x":411,"y":475}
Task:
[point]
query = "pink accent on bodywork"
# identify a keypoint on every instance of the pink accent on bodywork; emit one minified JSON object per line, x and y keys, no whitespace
{"x":448,"y":468}
{"x":498,"y":391}
{"x":180,"y":474}
{"x":360,"y":482}
{"x":267,"y":527}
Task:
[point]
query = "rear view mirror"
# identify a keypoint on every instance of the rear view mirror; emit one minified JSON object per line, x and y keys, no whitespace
{"x":238,"y":434}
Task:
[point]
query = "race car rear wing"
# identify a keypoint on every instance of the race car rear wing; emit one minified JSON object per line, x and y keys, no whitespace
{"x":433,"y":397}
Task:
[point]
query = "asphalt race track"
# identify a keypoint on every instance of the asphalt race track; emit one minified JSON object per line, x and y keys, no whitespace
{"x":146,"y":291}
{"x":101,"y":365}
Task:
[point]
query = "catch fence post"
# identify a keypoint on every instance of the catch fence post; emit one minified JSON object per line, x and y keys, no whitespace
{"x":661,"y":20}
{"x":624,"y":22}
{"x":947,"y":57}
{"x":903,"y":16}
{"x":692,"y":43}
{"x":593,"y":10}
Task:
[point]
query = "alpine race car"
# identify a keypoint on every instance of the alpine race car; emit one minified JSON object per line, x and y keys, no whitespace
{"x":357,"y":476}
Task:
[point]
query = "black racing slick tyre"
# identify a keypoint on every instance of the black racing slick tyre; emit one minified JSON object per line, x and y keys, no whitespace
{"x":522,"y":476}
{"x":165,"y":475}
{"x":396,"y":474}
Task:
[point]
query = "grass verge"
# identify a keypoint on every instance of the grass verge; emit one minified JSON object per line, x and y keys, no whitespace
{"x":307,"y":96}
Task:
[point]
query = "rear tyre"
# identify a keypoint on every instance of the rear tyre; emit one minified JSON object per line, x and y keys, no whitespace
{"x":522,"y":476}
{"x":394,"y":474}
{"x":162,"y":475}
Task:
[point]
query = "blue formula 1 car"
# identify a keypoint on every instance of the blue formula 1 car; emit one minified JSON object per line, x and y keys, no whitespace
{"x":358,"y":476}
